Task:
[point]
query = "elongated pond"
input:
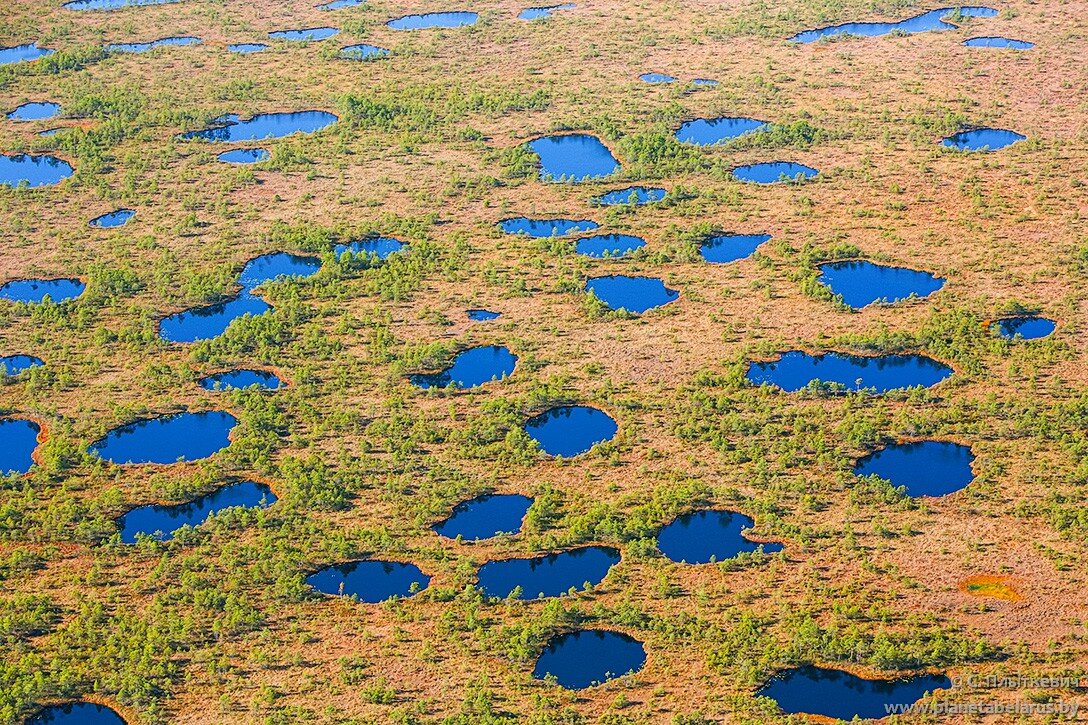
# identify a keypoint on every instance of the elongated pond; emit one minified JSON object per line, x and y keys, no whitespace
{"x":546,"y":227}
{"x":12,"y":365}
{"x":923,"y":468}
{"x":924,"y":22}
{"x":244,"y":156}
{"x":773,"y":172}
{"x":573,"y":157}
{"x":726,"y":248}
{"x":112,"y":4}
{"x":655,"y":78}
{"x":709,"y":131}
{"x":246,"y":48}
{"x":170,"y":439}
{"x":550,"y":575}
{"x":18,"y":439}
{"x":265,"y":125}
{"x":634,"y":294}
{"x":243,"y":378}
{"x":35,"y":291}
{"x":471,"y":368}
{"x":862,"y":283}
{"x":570,"y":430}
{"x":701,"y":537}
{"x":996,"y":41}
{"x":34,"y":111}
{"x":1027,"y":328}
{"x":162,"y":522}
{"x":433,"y":20}
{"x":608,"y":245}
{"x":588,"y":657}
{"x":540,"y":13}
{"x":633,"y":195}
{"x":304,"y":34}
{"x":983,"y":139}
{"x":23,"y":53}
{"x":153,"y":44}
{"x":796,"y":369}
{"x":33,"y":171}
{"x":76,"y":713}
{"x":380,"y":247}
{"x":837,"y":694}
{"x":369,"y":581}
{"x":115,"y":218}
{"x":485,"y":517}
{"x":482,"y":315}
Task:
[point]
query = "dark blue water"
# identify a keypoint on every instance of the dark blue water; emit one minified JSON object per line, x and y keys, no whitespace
{"x":184,"y":436}
{"x":796,"y":369}
{"x":369,"y":581}
{"x":1028,"y":328}
{"x":996,"y":41}
{"x":983,"y":139}
{"x":76,"y":713}
{"x":34,"y":291}
{"x":162,"y":522}
{"x":925,"y":468}
{"x":546,"y":227}
{"x":241,"y":379}
{"x":569,"y":430}
{"x":837,"y":694}
{"x":573,"y":157}
{"x":631,"y":195}
{"x":726,"y":248}
{"x":116,"y":218}
{"x":22,"y":53}
{"x":917,"y":24}
{"x":708,"y":131}
{"x":656,"y":78}
{"x":634,"y":294}
{"x":543,"y":12}
{"x":266,"y":125}
{"x":304,"y":34}
{"x":145,"y":47}
{"x":608,"y":245}
{"x":704,"y":536}
{"x":276,"y":266}
{"x":480,"y":315}
{"x":704,"y":82}
{"x":362,"y":51}
{"x":35,"y":111}
{"x":773,"y":171}
{"x":15,"y":364}
{"x":578,"y":660}
{"x":33,"y":171}
{"x":862,"y":283}
{"x":471,"y":368}
{"x":111,"y":4}
{"x":18,"y":439}
{"x":433,"y":20}
{"x":244,"y":156}
{"x":380,"y":247}
{"x":247,"y":47}
{"x":484,"y":517}
{"x":550,"y":575}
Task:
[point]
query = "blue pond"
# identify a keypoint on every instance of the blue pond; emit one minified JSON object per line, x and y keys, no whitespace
{"x":304,"y":34}
{"x":173,"y":438}
{"x":33,"y":171}
{"x":51,"y":131}
{"x":634,"y":294}
{"x":246,"y":47}
{"x":481,"y":315}
{"x":235,"y":379}
{"x":862,"y":283}
{"x":983,"y":139}
{"x":35,"y":111}
{"x":22,"y":53}
{"x":608,"y":245}
{"x":550,"y":575}
{"x":925,"y":468}
{"x":726,"y":248}
{"x":931,"y":20}
{"x":996,"y":41}
{"x":111,"y":4}
{"x":708,"y":131}
{"x":704,"y":82}
{"x":705,"y":536}
{"x":546,"y":227}
{"x":15,"y":364}
{"x":18,"y":439}
{"x":433,"y":20}
{"x":796,"y":369}
{"x":380,"y":247}
{"x":578,"y":660}
{"x":484,"y":517}
{"x":33,"y":291}
{"x":837,"y":694}
{"x":362,"y":51}
{"x":76,"y":713}
{"x":115,"y":218}
{"x":573,"y":157}
{"x":339,"y":4}
{"x":471,"y":368}
{"x":656,"y":78}
{"x":631,"y":195}
{"x":570,"y":430}
{"x":369,"y":581}
{"x":162,"y":522}
{"x":160,"y":43}
{"x":543,"y":12}
{"x":277,"y":265}
{"x":244,"y":156}
{"x":773,"y":171}
{"x":1027,"y":328}
{"x":266,"y":125}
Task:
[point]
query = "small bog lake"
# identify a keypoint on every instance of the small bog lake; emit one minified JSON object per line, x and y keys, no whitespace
{"x":923,"y":468}
{"x":35,"y":291}
{"x":633,"y":195}
{"x":608,"y":245}
{"x":482,"y":315}
{"x":235,"y":379}
{"x":485,"y":517}
{"x":634,"y":294}
{"x":111,"y":4}
{"x":162,"y":522}
{"x":996,"y":41}
{"x":546,"y":227}
{"x":433,"y":20}
{"x":550,"y":575}
{"x":796,"y":369}
{"x":33,"y":171}
{"x":701,"y":537}
{"x":339,"y":4}
{"x":369,"y":581}
{"x":362,"y":51}
{"x":471,"y":368}
{"x":12,"y":365}
{"x":170,"y":439}
{"x":265,"y":125}
{"x":709,"y":131}
{"x":932,"y":20}
{"x":76,"y":713}
{"x":23,"y":53}
{"x":983,"y":139}
{"x":543,"y":12}
{"x":244,"y":156}
{"x":657,"y":78}
{"x":837,"y":694}
{"x":151,"y":45}
{"x":245,"y":48}
{"x":570,"y":430}
{"x":116,"y":218}
{"x":726,"y":248}
{"x":18,"y":439}
{"x":862,"y":283}
{"x":573,"y":157}
{"x":380,"y":247}
{"x":35,"y":111}
{"x":577,"y":660}
{"x":773,"y":172}
{"x":304,"y":34}
{"x":1027,"y":328}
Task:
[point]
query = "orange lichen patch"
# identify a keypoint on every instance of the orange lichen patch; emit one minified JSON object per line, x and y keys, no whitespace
{"x":990,"y":585}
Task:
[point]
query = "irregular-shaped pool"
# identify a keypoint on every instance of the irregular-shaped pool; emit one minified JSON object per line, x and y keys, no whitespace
{"x":482,"y":315}
{"x":726,"y":248}
{"x":33,"y":171}
{"x":550,"y":575}
{"x":796,"y":369}
{"x":983,"y":139}
{"x":151,"y":45}
{"x":162,"y":522}
{"x":1026,"y":328}
{"x":369,"y":581}
{"x":923,"y":468}
{"x":76,"y":713}
{"x":633,"y":195}
{"x":485,"y":517}
{"x":634,"y":294}
{"x":380,"y":247}
{"x":996,"y":41}
{"x":111,"y":4}
{"x":577,"y":660}
{"x":242,"y":378}
{"x":266,"y":125}
{"x":570,"y":430}
{"x":35,"y":111}
{"x":608,"y":245}
{"x":35,"y":291}
{"x":433,"y":20}
{"x":170,"y":439}
{"x":304,"y":34}
{"x":772,"y":172}
{"x":655,"y":78}
{"x":709,"y":131}
{"x":573,"y":157}
{"x":837,"y":694}
{"x":471,"y":368}
{"x":12,"y":365}
{"x":862,"y":283}
{"x":18,"y":439}
{"x":115,"y":218}
{"x":23,"y":53}
{"x":362,"y":51}
{"x":932,"y":20}
{"x":701,"y":537}
{"x":543,"y":12}
{"x":245,"y":48}
{"x":546,"y":227}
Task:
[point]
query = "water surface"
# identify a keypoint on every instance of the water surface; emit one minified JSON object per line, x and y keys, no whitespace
{"x":111,"y":4}
{"x":433,"y":20}
{"x":704,"y":82}
{"x":573,"y":157}
{"x":634,"y":294}
{"x":588,"y":657}
{"x":172,"y":438}
{"x":550,"y":575}
{"x":242,"y":378}
{"x":34,"y":291}
{"x":266,"y":125}
{"x":796,"y":369}
{"x":546,"y":227}
{"x":481,"y":315}
{"x":162,"y":522}
{"x":151,"y":45}
{"x":701,"y":537}
{"x":33,"y":171}
{"x":725,"y":248}
{"x":983,"y":139}
{"x":837,"y":694}
{"x":631,"y":195}
{"x":244,"y":156}
{"x":339,"y":4}
{"x":369,"y":581}
{"x":23,"y":53}
{"x":14,"y":364}
{"x":1028,"y":328}
{"x":245,"y":48}
{"x":485,"y":517}
{"x":76,"y":713}
{"x":18,"y":439}
{"x":543,"y":12}
{"x":35,"y":111}
{"x":709,"y":131}
{"x":862,"y":283}
{"x":924,"y":468}
{"x":362,"y":51}
{"x":471,"y":368}
{"x":924,"y":22}
{"x":380,"y":247}
{"x":115,"y":218}
{"x":570,"y":430}
{"x":608,"y":245}
{"x":656,"y":78}
{"x":996,"y":41}
{"x":773,"y":171}
{"x":304,"y":34}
